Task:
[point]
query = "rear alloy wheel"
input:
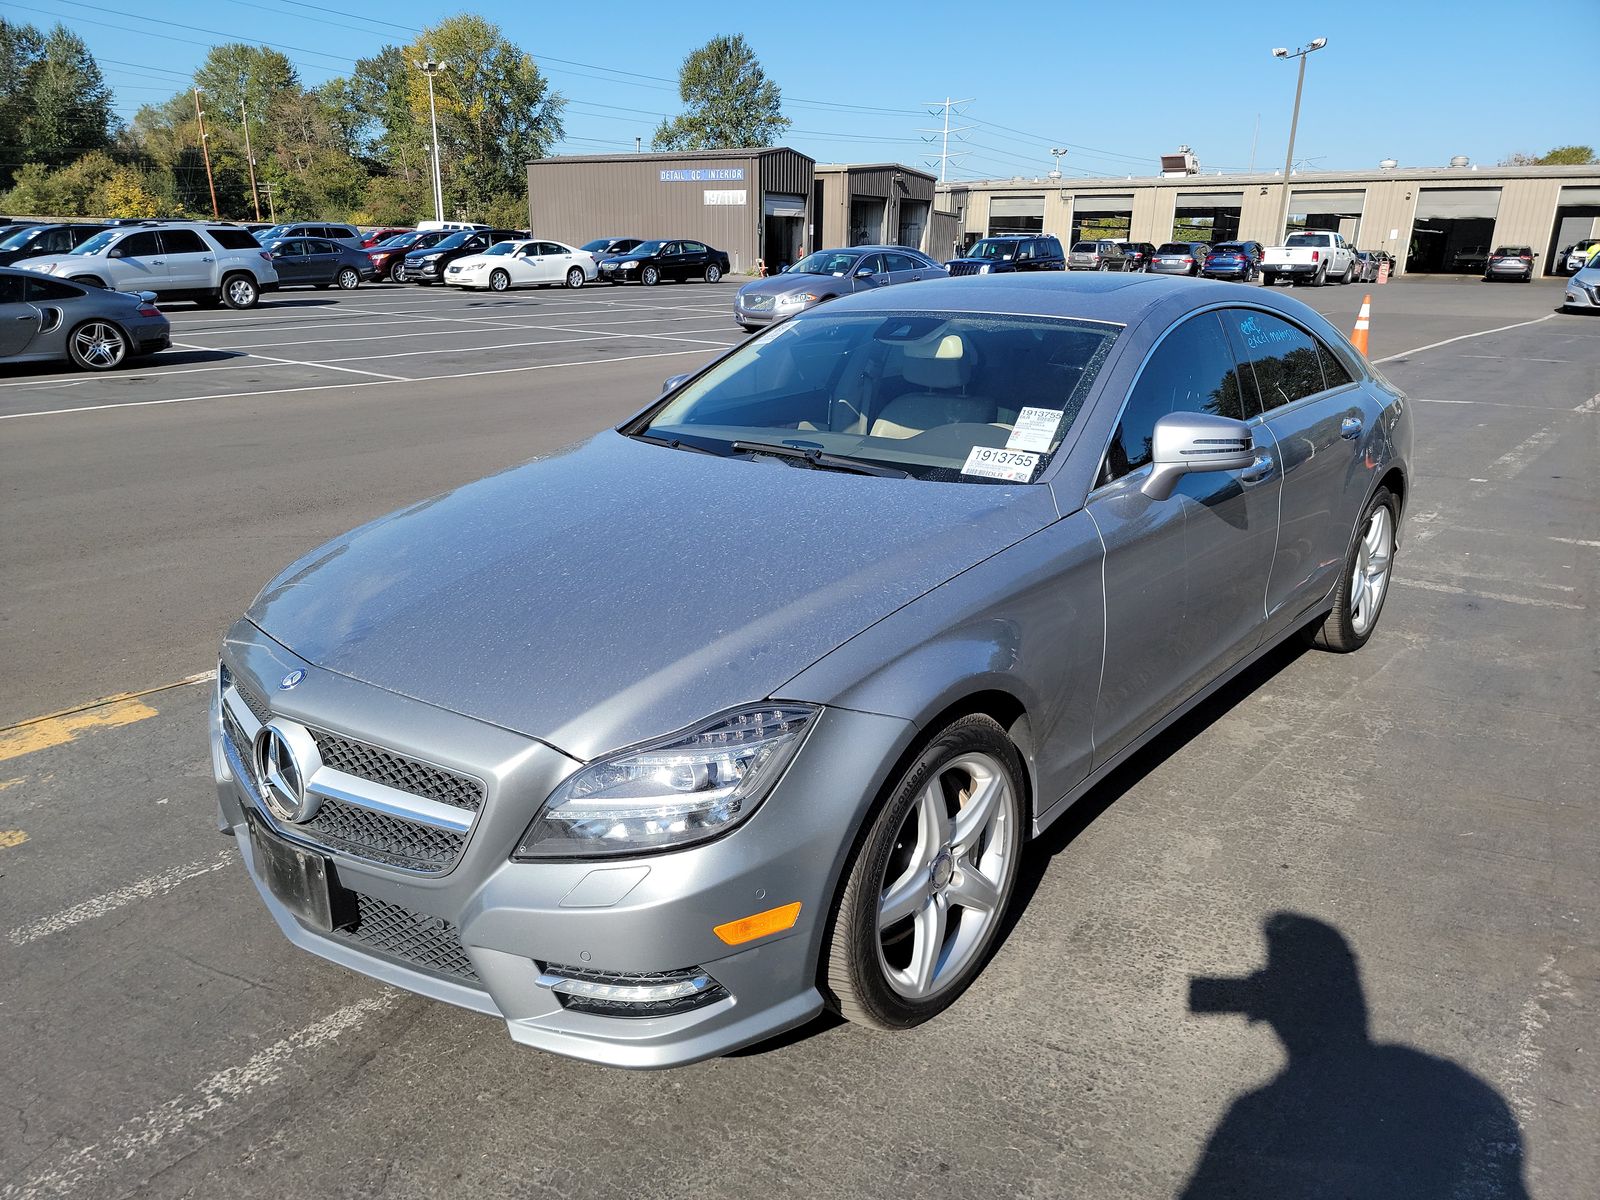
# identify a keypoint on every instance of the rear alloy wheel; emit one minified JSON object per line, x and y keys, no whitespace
{"x":97,"y":346}
{"x":240,"y":291}
{"x":1364,"y":582}
{"x":713,"y":273}
{"x":575,"y":277}
{"x":649,"y":277}
{"x":499,"y":281}
{"x":397,"y":273}
{"x":928,"y":889}
{"x":348,"y":279}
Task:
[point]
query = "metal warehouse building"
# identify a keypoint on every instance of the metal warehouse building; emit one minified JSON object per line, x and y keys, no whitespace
{"x":766,"y":205}
{"x":1430,"y":219}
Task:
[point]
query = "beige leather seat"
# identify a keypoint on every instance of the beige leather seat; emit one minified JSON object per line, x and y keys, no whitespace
{"x":937,"y":368}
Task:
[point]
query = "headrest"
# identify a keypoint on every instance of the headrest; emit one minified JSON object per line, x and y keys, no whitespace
{"x":938,"y":361}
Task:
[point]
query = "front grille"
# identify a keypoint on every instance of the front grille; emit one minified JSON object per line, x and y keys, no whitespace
{"x":397,"y":771}
{"x":961,"y":268}
{"x":758,"y":303}
{"x":354,"y":829}
{"x":417,"y":940}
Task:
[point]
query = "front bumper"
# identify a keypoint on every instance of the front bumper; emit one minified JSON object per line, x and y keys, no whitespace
{"x":1580,"y":296}
{"x":516,"y":921}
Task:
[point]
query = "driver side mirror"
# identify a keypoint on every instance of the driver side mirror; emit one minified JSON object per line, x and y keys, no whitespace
{"x":1185,"y":442}
{"x":865,"y":273}
{"x":115,"y":252}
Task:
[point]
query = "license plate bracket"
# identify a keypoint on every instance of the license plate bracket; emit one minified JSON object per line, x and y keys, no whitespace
{"x":304,"y":882}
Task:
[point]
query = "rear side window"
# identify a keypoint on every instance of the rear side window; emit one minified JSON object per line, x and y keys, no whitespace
{"x":182,"y":241}
{"x":693,"y":248}
{"x":1083,"y":247}
{"x":234,"y":239}
{"x":1281,"y":360}
{"x":49,"y":289}
{"x":1174,"y":248}
{"x":1192,"y":370}
{"x":10,"y":289}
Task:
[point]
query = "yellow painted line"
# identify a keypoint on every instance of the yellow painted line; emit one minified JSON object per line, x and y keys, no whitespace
{"x":10,"y":783}
{"x":11,"y":837}
{"x":58,"y":728}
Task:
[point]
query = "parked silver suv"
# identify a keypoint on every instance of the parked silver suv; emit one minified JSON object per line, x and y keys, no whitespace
{"x":211,"y":262}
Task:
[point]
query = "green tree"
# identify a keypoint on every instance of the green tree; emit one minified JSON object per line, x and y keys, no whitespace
{"x":1571,"y":156}
{"x":730,"y":100}
{"x":69,"y":101}
{"x":236,"y":78}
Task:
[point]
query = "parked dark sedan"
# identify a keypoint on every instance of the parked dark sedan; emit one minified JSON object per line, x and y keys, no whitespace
{"x":1180,"y":258}
{"x":317,"y":262}
{"x":1003,"y":255}
{"x":1233,"y":260}
{"x":610,"y":247}
{"x":389,"y":257}
{"x":427,"y":265}
{"x":31,"y":241}
{"x":651,"y":262}
{"x":1138,"y":255}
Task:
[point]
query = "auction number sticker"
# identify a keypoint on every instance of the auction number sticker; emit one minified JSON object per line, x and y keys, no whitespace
{"x":992,"y":463}
{"x":1035,"y":429}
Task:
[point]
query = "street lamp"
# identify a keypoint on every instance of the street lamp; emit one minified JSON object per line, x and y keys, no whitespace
{"x":1058,"y":154}
{"x":430,"y":68}
{"x":1294,"y":121}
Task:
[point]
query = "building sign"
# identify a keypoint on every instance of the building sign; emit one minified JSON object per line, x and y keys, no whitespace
{"x":725,"y":197}
{"x":703,"y":175}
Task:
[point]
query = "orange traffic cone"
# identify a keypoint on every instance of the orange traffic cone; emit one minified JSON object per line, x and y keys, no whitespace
{"x":1358,"y":336}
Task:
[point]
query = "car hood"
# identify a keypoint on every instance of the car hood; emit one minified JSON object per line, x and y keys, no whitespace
{"x":621,"y":258}
{"x":788,"y":283}
{"x":87,"y":264}
{"x":619,"y":591}
{"x":978,"y":262}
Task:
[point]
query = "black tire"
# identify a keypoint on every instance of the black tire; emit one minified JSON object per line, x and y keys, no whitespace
{"x":853,"y":975}
{"x":1337,"y":632}
{"x":88,"y":281}
{"x":98,"y":345}
{"x":348,"y":279}
{"x":1268,"y":279}
{"x":1321,"y":276}
{"x":650,"y":276}
{"x":575,"y":277}
{"x":240,"y":291}
{"x":499,"y":280}
{"x":713,"y":273}
{"x":1349,"y":275}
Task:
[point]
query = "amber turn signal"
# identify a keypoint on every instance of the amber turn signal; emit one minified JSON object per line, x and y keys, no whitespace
{"x":758,"y":925}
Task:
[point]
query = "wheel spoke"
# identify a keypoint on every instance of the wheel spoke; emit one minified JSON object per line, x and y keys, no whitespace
{"x":933,"y":822}
{"x":927,"y":946}
{"x":976,"y":815}
{"x":904,"y":895}
{"x":971,"y":888}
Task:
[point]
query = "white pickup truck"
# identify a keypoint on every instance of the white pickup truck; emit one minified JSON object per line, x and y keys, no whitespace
{"x":1317,"y":257}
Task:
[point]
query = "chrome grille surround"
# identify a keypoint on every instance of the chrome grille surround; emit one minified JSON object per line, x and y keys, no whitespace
{"x":375,"y":804}
{"x":961,"y":268}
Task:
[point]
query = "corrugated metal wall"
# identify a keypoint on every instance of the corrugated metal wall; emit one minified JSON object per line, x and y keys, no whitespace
{"x":841,"y":184}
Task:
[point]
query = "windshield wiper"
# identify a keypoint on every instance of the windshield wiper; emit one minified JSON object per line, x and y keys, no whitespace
{"x":822,"y":461}
{"x":671,"y":443}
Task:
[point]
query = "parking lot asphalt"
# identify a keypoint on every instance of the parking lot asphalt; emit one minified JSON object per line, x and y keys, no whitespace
{"x":1429,"y":802}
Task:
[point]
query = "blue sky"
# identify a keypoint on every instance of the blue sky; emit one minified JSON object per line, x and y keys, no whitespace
{"x":1119,"y":85}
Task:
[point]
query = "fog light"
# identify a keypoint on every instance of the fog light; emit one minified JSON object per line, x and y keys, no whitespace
{"x":627,"y":993}
{"x":631,"y":993}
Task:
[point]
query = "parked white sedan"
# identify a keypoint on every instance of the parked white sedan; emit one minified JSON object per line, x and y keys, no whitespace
{"x":523,"y":264}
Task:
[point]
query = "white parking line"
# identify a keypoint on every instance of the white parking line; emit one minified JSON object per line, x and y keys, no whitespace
{"x":155,"y":885}
{"x":324,"y":387}
{"x":214,"y":1095}
{"x":1576,"y":542}
{"x":595,"y":335}
{"x":1428,"y":585}
{"x":290,"y":362}
{"x":1462,"y":338}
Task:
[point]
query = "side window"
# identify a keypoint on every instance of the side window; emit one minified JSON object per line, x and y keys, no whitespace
{"x":1050,"y":248}
{"x":83,"y":233}
{"x":140,"y":245}
{"x":49,"y":289}
{"x":1281,"y":359}
{"x":902,"y":262}
{"x":10,"y":289}
{"x":234,"y":239}
{"x":1025,"y":251}
{"x":1192,"y":370}
{"x":551,"y":248}
{"x":182,"y":241}
{"x":1334,"y":372}
{"x":872,"y":263}
{"x":693,"y":248}
{"x":56,"y":241}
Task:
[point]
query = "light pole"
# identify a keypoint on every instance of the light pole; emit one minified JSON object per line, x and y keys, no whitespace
{"x":1058,"y":154}
{"x":244,"y":116}
{"x":205,"y":150}
{"x":431,"y":67}
{"x":1294,"y":121}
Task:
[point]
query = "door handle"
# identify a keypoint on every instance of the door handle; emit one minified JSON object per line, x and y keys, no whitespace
{"x":207,"y":258}
{"x":1350,"y":428}
{"x":158,"y":262}
{"x":1258,"y":470}
{"x":29,"y":317}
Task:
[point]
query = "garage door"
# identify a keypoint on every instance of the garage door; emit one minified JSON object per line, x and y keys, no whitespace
{"x":1457,"y":203}
{"x":1016,"y":214}
{"x":776,"y":205}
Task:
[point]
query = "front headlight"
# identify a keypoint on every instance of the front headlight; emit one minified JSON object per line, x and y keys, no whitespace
{"x":629,"y":266}
{"x":797,"y":300}
{"x":685,"y":789}
{"x":983,"y":270}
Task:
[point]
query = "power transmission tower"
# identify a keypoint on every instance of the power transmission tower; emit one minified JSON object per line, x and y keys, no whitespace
{"x":945,"y":131}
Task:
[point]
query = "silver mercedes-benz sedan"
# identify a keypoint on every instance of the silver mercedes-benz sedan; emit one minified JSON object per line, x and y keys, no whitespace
{"x":749,"y":708}
{"x":47,"y":320}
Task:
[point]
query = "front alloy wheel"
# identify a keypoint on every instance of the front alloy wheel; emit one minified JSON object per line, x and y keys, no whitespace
{"x":713,"y":273}
{"x":97,"y":346}
{"x":499,"y":281}
{"x":930,"y":884}
{"x":649,"y":277}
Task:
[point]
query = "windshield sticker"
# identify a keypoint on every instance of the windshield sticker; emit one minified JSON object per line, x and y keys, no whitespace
{"x":1035,"y":429}
{"x":1017,"y":466}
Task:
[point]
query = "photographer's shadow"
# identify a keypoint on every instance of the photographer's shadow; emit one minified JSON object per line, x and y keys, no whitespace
{"x":1346,"y":1117}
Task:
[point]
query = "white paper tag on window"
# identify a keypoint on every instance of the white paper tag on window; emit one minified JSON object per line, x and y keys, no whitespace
{"x":1035,"y":429}
{"x":992,"y":463}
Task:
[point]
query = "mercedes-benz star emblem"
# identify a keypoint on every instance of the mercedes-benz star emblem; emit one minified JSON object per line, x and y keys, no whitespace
{"x":285,"y":759}
{"x":289,"y":680}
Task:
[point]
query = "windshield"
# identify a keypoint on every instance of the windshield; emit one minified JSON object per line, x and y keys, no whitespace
{"x":454,"y":240}
{"x":1228,"y":248}
{"x":266,"y":235}
{"x":826,"y":262}
{"x":597,"y":244}
{"x":504,"y":248}
{"x":1174,"y":248}
{"x":398,"y":242}
{"x":644,"y":248}
{"x":98,"y":242}
{"x":1513,"y":252}
{"x":21,"y":237}
{"x":953,"y":397}
{"x":1309,"y":239}
{"x":998,"y":251}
